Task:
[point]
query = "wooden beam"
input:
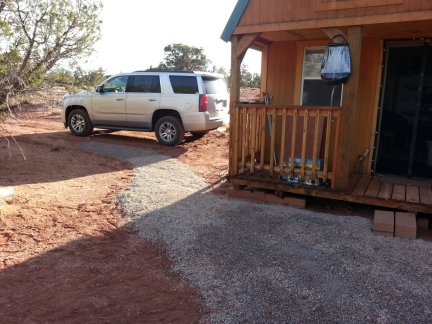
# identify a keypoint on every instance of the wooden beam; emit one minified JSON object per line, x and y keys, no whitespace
{"x":335,"y":22}
{"x":234,"y":99}
{"x":333,"y":32}
{"x":345,"y":155}
{"x":264,"y":71}
{"x":353,"y":4}
{"x":244,"y":43}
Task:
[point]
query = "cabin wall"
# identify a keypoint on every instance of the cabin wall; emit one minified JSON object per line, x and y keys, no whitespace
{"x":260,"y":12}
{"x":284,"y":78}
{"x":281,"y":72}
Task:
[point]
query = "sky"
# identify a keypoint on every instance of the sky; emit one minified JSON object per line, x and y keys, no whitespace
{"x":135,"y":32}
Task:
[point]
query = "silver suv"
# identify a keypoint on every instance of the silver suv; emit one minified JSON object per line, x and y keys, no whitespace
{"x":168,"y":103}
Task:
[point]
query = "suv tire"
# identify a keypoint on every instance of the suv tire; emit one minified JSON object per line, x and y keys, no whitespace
{"x":169,"y":131}
{"x":79,"y":123}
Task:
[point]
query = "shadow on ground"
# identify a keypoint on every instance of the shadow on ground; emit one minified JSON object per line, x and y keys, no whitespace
{"x":111,"y":278}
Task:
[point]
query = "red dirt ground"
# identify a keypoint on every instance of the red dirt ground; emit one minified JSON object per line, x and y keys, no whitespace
{"x":66,"y":254}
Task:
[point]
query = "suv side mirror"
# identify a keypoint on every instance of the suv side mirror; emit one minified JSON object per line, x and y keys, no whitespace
{"x":100,"y":89}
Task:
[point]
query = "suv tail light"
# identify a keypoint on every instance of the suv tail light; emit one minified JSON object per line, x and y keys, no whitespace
{"x":203,"y":104}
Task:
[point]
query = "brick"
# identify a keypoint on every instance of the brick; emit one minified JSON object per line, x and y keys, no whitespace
{"x":384,"y":221}
{"x":288,"y":201}
{"x":405,"y":225}
{"x":423,"y":223}
{"x":261,"y":196}
{"x":295,"y":202}
{"x":246,"y":194}
{"x":387,"y":234}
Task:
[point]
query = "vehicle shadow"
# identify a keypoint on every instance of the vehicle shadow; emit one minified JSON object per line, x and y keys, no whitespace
{"x":109,"y":278}
{"x":59,"y":156}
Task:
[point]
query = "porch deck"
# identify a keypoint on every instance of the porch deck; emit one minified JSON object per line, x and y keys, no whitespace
{"x":380,"y":191}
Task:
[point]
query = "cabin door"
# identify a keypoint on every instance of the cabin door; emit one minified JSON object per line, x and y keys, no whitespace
{"x":404,"y":143}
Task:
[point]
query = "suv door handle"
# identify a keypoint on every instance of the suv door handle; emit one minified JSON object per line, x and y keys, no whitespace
{"x":119,"y":99}
{"x":152,"y":99}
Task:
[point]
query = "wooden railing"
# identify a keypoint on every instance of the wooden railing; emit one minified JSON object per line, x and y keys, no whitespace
{"x":298,"y":144}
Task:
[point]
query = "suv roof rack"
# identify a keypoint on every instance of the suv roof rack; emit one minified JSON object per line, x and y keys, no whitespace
{"x":162,"y":70}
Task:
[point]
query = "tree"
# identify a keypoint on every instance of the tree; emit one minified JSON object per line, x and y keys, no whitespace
{"x":248,"y":79}
{"x":75,"y":80}
{"x":47,"y":33}
{"x":183,"y":58}
{"x":222,"y":71}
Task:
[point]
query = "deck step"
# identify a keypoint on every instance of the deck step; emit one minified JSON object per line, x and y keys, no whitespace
{"x":405,"y":225}
{"x":384,"y":222}
{"x":399,"y":224}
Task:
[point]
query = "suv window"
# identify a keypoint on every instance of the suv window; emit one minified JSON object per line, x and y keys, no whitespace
{"x":184,"y":84}
{"x":214,"y":85}
{"x":116,"y":84}
{"x":145,"y":83}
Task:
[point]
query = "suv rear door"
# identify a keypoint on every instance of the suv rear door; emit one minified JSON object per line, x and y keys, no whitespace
{"x":144,"y":94}
{"x":184,"y":96}
{"x":217,"y":96}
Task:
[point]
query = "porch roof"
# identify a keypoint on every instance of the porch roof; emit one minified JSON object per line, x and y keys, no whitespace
{"x":234,"y":19}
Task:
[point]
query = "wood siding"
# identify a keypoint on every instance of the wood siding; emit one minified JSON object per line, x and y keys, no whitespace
{"x":263,"y":12}
{"x":281,"y":72}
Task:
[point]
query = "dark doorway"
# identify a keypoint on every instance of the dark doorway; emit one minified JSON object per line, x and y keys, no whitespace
{"x":404,"y":144}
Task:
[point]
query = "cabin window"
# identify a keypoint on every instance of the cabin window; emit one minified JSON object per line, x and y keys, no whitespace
{"x":314,"y":91}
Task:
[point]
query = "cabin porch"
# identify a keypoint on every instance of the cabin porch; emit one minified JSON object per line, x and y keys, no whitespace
{"x":293,"y":149}
{"x":378,"y":191}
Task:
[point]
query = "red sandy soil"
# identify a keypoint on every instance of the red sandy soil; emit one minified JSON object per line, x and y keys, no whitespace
{"x":66,"y":254}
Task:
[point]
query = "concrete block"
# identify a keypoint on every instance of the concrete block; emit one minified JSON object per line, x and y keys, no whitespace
{"x":405,"y":225}
{"x":384,"y":221}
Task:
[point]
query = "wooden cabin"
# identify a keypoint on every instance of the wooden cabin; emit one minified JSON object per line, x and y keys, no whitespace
{"x":368,"y":140}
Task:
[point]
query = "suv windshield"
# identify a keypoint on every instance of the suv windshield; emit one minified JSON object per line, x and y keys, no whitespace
{"x":214,"y":85}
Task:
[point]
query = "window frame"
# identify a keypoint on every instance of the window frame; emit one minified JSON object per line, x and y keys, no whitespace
{"x":305,"y":49}
{"x":153,"y":83}
{"x":184,"y":76}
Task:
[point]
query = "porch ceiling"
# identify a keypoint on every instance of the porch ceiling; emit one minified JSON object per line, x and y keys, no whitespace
{"x":414,"y":29}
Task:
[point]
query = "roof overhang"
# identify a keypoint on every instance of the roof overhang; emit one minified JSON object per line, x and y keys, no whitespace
{"x":234,"y":19}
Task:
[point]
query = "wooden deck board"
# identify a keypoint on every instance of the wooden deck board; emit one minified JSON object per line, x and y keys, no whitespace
{"x":412,"y":194}
{"x":386,"y":191}
{"x":373,"y":188}
{"x":362,"y":185}
{"x":399,"y":192}
{"x":425,"y":195}
{"x":354,"y":179}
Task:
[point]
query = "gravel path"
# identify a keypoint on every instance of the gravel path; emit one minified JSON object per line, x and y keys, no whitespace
{"x":273,"y":264}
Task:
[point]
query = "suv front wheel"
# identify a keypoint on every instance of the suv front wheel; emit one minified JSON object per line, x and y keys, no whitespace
{"x":79,"y":123}
{"x":169,"y":131}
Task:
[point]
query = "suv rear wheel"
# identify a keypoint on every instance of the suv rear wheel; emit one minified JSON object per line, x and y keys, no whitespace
{"x":169,"y":131}
{"x":79,"y":123}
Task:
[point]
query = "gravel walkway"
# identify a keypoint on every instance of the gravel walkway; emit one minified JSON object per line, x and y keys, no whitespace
{"x":273,"y":264}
